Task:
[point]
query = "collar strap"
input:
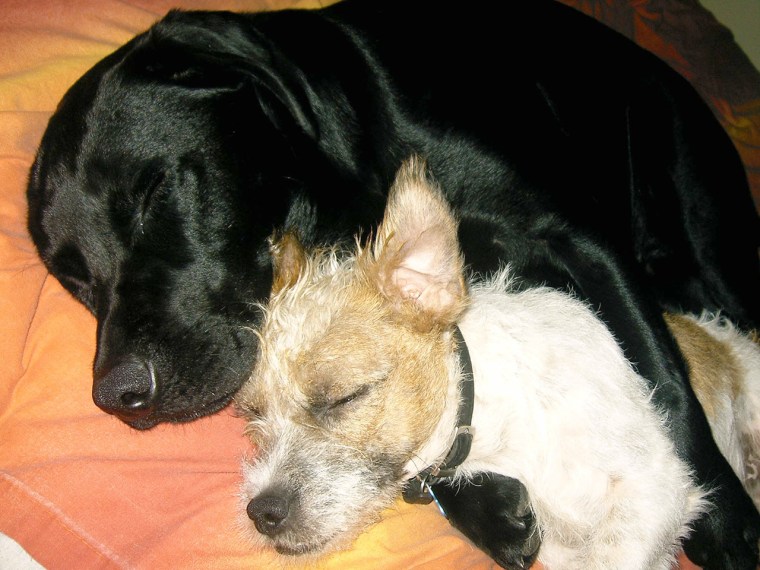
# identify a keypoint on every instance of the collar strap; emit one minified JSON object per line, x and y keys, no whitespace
{"x":417,"y":489}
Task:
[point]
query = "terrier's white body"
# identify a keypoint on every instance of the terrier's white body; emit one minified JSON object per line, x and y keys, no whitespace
{"x":559,"y":408}
{"x":356,"y":390}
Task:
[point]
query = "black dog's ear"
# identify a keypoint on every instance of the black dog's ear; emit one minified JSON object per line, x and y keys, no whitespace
{"x":223,"y":50}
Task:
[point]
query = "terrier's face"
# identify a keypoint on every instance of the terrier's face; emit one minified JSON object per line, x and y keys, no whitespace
{"x":352,"y":374}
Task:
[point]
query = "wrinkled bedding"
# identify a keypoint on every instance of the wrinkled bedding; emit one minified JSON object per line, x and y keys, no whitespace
{"x":80,"y":489}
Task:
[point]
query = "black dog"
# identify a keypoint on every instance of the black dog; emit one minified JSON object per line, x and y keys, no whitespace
{"x":168,"y":165}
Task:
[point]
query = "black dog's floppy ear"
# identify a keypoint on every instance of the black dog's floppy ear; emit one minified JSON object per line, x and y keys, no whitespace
{"x":223,"y":50}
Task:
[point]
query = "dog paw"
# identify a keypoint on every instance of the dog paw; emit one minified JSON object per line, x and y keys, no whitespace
{"x":726,"y":537}
{"x":515,"y":553}
{"x":494,"y":512}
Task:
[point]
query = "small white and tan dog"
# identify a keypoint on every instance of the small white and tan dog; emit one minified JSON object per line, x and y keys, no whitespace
{"x":359,"y":387}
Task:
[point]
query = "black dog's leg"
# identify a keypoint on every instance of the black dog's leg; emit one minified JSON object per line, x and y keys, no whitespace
{"x":494,"y":512}
{"x":727,"y":537}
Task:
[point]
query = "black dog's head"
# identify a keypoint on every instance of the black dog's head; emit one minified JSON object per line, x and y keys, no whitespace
{"x":156,"y":185}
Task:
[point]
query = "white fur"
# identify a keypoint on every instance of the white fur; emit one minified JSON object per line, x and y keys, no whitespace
{"x":559,"y":408}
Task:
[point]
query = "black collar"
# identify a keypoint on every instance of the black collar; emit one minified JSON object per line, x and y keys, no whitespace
{"x":417,"y":489}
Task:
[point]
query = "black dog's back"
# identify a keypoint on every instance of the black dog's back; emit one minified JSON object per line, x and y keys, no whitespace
{"x":609,"y":142}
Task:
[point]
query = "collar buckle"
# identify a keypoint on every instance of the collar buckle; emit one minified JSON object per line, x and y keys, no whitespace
{"x":417,"y":490}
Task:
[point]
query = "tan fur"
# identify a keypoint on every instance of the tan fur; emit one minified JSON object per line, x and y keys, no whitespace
{"x":288,"y":259}
{"x":724,"y":369}
{"x":713,"y":370}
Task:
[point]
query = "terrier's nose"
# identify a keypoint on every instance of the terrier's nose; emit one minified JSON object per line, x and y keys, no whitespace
{"x":268,"y":513}
{"x":126,"y":389}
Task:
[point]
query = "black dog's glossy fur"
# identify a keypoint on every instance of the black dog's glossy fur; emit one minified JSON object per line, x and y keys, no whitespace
{"x":167,"y":165}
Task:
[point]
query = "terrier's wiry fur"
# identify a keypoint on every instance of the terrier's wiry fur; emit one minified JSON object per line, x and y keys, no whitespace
{"x":356,"y":390}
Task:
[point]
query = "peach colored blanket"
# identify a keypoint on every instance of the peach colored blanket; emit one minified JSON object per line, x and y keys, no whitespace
{"x":79,"y":489}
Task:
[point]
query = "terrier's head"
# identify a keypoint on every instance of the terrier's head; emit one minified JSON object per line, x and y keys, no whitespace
{"x":353,"y":373}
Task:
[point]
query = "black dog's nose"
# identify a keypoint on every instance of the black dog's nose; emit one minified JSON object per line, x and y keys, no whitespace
{"x":268,"y":513}
{"x":127,"y":389}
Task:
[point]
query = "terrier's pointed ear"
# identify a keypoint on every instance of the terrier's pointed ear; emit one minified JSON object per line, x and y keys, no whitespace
{"x":288,"y":259}
{"x":416,"y":252}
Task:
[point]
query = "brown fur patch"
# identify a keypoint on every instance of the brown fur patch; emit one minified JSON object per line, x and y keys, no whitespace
{"x":288,"y":259}
{"x":713,"y":369}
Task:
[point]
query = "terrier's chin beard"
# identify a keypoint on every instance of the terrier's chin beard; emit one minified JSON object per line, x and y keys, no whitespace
{"x":302,"y":549}
{"x":314,"y":550}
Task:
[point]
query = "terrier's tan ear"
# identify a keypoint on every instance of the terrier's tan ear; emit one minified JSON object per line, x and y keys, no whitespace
{"x":416,"y":250}
{"x":288,"y":259}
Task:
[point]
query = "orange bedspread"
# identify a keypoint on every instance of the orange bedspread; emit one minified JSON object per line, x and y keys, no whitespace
{"x":79,"y":489}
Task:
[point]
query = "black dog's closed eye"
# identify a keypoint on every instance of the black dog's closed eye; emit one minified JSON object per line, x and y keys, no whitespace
{"x":149,"y":185}
{"x":129,"y":208}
